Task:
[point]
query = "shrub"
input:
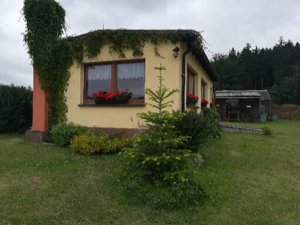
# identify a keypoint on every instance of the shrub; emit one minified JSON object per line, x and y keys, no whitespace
{"x":118,"y":143}
{"x":212,"y":118}
{"x":267,"y":131}
{"x":63,"y":133}
{"x":199,"y":127}
{"x":159,"y":158}
{"x":15,"y":108}
{"x":160,"y":168}
{"x":90,"y":143}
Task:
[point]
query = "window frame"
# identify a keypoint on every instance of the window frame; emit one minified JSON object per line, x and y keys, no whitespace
{"x":114,"y":78}
{"x":203,"y":90}
{"x":193,"y":74}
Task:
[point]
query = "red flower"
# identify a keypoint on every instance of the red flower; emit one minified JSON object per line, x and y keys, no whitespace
{"x":118,"y":96}
{"x":204,"y":102}
{"x":192,"y":99}
{"x":111,"y":95}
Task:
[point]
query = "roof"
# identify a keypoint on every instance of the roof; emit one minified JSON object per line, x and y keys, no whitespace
{"x":190,"y":37}
{"x":263,"y":95}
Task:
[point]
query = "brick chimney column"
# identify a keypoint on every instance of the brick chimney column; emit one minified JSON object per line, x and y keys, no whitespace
{"x":39,"y":130}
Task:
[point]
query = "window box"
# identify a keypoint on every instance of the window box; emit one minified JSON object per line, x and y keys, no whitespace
{"x":192,"y":100}
{"x":91,"y":105}
{"x":118,"y":97}
{"x":204,"y":103}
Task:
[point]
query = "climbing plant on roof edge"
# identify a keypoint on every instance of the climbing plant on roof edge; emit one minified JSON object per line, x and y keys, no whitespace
{"x":52,"y":54}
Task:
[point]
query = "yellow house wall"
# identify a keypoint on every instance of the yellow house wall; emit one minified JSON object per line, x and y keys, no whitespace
{"x":201,"y":75}
{"x":125,"y":116}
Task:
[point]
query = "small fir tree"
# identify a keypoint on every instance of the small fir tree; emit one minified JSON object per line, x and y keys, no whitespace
{"x":158,"y":157}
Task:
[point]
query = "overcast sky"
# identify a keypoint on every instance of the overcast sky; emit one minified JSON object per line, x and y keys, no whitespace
{"x":225,"y":24}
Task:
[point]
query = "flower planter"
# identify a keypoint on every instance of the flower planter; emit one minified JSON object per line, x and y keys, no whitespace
{"x":119,"y":97}
{"x":204,"y":103}
{"x":192,"y":100}
{"x":106,"y":102}
{"x":191,"y":104}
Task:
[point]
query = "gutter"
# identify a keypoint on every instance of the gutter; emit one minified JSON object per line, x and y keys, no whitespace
{"x":183,"y":77}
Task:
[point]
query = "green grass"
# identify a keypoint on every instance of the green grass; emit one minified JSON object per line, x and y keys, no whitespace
{"x":250,"y":179}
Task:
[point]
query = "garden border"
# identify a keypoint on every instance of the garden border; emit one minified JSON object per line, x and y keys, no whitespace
{"x":237,"y":129}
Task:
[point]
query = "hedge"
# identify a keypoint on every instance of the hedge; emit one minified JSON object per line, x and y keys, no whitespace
{"x":15,"y":108}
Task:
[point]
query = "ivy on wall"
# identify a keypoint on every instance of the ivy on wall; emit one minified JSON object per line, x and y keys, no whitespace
{"x":45,"y":24}
{"x":90,"y":44}
{"x":52,"y":55}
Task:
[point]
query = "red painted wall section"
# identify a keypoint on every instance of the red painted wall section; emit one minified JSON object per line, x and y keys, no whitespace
{"x":40,"y":106}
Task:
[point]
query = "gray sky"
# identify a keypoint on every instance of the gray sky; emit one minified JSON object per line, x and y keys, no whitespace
{"x":225,"y":24}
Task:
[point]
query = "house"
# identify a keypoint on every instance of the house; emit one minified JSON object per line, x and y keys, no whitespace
{"x":243,"y":105}
{"x":187,"y":69}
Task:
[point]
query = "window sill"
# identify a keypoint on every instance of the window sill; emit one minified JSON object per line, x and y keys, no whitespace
{"x":112,"y":105}
{"x":192,"y":106}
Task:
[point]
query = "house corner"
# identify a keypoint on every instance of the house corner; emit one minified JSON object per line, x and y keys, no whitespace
{"x":39,"y":130}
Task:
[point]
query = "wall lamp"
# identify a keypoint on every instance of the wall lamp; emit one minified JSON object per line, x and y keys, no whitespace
{"x":175,"y":51}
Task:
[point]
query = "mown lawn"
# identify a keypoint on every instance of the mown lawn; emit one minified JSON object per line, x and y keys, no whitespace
{"x":250,"y":179}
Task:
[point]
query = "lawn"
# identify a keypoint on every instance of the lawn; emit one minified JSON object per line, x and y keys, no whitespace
{"x":250,"y":179}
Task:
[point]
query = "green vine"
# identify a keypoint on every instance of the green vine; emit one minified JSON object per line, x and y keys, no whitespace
{"x":45,"y":23}
{"x":52,"y":55}
{"x":90,"y":44}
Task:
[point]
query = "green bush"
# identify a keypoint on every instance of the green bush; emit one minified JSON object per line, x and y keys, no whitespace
{"x":118,"y":143}
{"x":90,"y":143}
{"x":159,"y":158}
{"x":199,"y":127}
{"x":15,"y":108}
{"x":63,"y":133}
{"x":161,"y":171}
{"x":267,"y":131}
{"x":212,"y":118}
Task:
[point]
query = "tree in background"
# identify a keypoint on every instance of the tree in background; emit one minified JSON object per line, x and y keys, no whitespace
{"x":275,"y":69}
{"x":228,"y":66}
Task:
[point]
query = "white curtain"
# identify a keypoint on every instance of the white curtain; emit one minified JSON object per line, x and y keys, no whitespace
{"x":131,"y":70}
{"x":99,"y":79}
{"x":99,"y":72}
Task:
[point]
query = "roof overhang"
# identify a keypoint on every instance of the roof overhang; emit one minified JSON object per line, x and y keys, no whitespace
{"x":191,"y":38}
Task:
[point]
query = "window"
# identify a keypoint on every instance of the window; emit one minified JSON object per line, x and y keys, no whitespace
{"x":116,"y":76}
{"x":191,"y":82}
{"x":232,"y":103}
{"x":203,"y":90}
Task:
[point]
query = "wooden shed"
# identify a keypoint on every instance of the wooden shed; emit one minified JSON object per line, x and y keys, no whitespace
{"x":243,"y":105}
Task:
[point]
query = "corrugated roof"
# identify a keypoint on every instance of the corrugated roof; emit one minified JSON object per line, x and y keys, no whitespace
{"x":263,"y":95}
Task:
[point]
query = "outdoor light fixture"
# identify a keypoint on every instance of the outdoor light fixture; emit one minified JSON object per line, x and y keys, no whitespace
{"x":175,"y":51}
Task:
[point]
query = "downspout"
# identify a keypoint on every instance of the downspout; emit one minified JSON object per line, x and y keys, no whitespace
{"x":183,"y":77}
